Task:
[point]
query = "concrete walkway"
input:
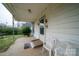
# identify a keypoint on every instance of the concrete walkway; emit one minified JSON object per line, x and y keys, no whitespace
{"x":17,"y":49}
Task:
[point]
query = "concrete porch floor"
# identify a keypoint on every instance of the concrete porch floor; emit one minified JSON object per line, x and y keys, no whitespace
{"x":17,"y":49}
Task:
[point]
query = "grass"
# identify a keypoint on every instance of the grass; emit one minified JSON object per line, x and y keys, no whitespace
{"x":7,"y":41}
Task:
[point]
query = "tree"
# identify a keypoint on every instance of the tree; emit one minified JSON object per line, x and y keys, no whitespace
{"x":26,"y":30}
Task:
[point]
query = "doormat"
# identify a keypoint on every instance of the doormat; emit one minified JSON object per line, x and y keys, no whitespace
{"x":27,"y":45}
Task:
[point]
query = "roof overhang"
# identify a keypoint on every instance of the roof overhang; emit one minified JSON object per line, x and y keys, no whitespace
{"x":25,"y":11}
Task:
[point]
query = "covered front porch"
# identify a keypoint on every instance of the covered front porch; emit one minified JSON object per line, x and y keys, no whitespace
{"x":56,"y":25}
{"x":17,"y":49}
{"x":28,"y":14}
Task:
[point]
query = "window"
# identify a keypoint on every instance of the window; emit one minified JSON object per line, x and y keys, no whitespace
{"x":42,"y":30}
{"x":42,"y":19}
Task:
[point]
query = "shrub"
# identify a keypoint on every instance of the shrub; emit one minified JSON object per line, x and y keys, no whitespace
{"x":26,"y":30}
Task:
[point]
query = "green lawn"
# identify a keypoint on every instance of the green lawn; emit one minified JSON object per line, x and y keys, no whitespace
{"x":6,"y":41}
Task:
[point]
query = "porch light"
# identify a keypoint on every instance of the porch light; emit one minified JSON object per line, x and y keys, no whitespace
{"x":29,"y":10}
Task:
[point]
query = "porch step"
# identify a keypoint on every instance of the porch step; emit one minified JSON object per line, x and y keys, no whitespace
{"x":37,"y":43}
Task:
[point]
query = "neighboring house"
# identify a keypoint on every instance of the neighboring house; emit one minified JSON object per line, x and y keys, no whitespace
{"x":57,"y":25}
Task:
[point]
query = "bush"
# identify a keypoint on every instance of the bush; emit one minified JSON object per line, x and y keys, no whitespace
{"x":9,"y":30}
{"x":26,"y":30}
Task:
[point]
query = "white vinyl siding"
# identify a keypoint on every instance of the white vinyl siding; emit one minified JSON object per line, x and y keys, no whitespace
{"x":63,"y":25}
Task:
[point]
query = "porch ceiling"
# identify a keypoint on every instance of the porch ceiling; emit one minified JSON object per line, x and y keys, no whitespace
{"x":25,"y":11}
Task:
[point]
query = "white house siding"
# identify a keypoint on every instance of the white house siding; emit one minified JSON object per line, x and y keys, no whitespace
{"x":63,"y":27}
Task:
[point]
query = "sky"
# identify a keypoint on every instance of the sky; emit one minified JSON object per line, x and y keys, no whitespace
{"x":6,"y":17}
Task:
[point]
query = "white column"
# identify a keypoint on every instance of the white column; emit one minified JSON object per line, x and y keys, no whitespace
{"x":13,"y":26}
